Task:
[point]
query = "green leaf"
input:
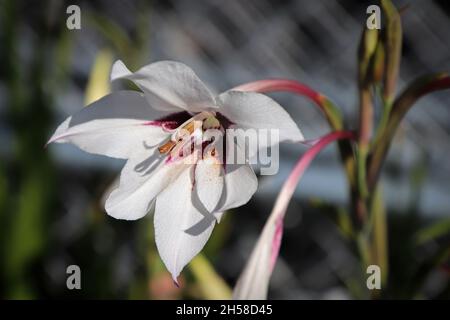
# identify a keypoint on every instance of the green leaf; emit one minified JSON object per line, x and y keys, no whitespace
{"x":113,"y":33}
{"x":393,"y":47}
{"x":26,"y":234}
{"x":99,"y":84}
{"x":378,"y":62}
{"x":211,"y":284}
{"x":417,"y":89}
{"x":436,"y":230}
{"x":380,"y":241}
{"x":366,"y":51}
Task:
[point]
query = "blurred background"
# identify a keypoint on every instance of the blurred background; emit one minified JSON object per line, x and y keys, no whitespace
{"x":51,"y":213}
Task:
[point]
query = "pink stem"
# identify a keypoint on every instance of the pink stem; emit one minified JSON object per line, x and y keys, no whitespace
{"x":272,"y":85}
{"x":289,"y":186}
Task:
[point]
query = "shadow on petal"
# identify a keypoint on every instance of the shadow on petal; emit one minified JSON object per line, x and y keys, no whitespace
{"x":148,"y":165}
{"x":201,"y":226}
{"x":118,"y":105}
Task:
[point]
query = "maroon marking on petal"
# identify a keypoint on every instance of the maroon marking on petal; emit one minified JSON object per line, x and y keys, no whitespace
{"x":170,"y":125}
{"x":168,"y":159}
{"x":153,"y":123}
{"x":204,"y":145}
{"x":193,"y":177}
{"x":171,"y":121}
{"x":179,"y":117}
{"x":224,"y":153}
{"x":224,"y":121}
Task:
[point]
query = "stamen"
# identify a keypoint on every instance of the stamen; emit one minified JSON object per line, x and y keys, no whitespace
{"x":211,"y":123}
{"x":167,"y":147}
{"x":184,"y":135}
{"x":189,"y":127}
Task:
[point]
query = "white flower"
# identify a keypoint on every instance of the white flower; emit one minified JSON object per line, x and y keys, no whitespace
{"x":188,"y":196}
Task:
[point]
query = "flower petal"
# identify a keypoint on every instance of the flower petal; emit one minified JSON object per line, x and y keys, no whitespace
{"x":181,"y":228}
{"x":113,"y":126}
{"x":141,"y":180}
{"x":240,"y":185}
{"x":209,"y":182}
{"x":253,"y":283}
{"x":168,"y":86}
{"x":256,"y":110}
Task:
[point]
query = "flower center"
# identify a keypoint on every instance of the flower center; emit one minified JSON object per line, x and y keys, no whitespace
{"x":185,"y":135}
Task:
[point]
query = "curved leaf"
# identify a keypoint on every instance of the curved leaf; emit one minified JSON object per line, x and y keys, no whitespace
{"x":404,"y":102}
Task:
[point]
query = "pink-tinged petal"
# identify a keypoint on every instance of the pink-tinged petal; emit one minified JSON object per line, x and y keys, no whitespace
{"x":274,"y":85}
{"x":253,"y":283}
{"x":111,"y":126}
{"x":331,"y":112}
{"x":258,"y":111}
{"x":276,"y":242}
{"x":168,"y":86}
{"x":209,"y":182}
{"x":182,"y":227}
